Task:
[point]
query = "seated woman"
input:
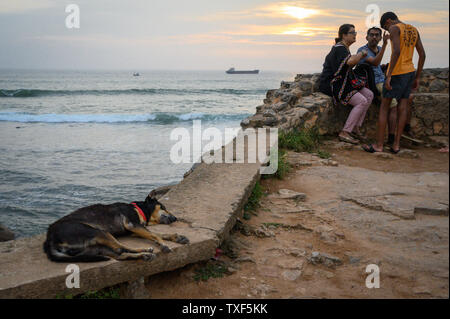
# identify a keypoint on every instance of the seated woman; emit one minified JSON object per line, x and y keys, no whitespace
{"x":339,"y":81}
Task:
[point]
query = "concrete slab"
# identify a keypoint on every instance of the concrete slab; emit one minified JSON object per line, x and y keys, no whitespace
{"x":207,"y":202}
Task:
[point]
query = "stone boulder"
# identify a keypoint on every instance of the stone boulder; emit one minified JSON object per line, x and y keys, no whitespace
{"x":6,"y":234}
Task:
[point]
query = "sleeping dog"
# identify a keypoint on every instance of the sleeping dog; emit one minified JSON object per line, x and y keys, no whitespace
{"x":87,"y":234}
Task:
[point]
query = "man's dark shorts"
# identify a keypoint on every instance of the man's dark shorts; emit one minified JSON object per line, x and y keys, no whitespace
{"x":401,"y":86}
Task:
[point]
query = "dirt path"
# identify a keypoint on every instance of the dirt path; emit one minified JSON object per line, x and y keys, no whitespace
{"x":391,"y":212}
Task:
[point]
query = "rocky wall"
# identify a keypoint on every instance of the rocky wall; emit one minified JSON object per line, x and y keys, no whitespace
{"x":299,"y":104}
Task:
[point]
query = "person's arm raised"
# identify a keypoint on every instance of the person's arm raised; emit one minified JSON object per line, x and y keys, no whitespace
{"x":375,"y":61}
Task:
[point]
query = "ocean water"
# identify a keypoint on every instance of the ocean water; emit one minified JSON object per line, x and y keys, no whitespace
{"x":69,"y":139}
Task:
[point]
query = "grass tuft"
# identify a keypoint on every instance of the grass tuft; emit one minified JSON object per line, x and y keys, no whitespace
{"x":107,"y":293}
{"x":305,"y":140}
{"x":210,"y":270}
{"x":253,"y":201}
{"x":323,"y":154}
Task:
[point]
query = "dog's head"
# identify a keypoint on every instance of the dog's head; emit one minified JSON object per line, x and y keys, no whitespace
{"x":157,"y":211}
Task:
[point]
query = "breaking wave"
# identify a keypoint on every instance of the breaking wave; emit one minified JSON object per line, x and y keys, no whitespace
{"x":23,"y":93}
{"x":158,"y":118}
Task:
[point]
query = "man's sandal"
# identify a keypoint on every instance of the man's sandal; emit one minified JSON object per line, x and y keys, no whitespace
{"x":369,"y":148}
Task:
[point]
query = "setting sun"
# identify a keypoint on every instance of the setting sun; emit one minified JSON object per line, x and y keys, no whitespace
{"x":299,"y":13}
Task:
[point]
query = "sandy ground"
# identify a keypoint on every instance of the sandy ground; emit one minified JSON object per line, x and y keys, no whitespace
{"x":358,"y":213}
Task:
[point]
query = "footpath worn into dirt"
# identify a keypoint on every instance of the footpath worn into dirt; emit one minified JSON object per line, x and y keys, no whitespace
{"x":317,"y":230}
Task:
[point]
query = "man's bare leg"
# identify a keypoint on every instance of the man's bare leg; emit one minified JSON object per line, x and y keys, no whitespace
{"x":392,"y":124}
{"x":382,"y":121}
{"x":402,"y":118}
{"x":407,"y":134}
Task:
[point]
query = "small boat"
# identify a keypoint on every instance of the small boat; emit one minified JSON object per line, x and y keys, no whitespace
{"x":136,"y":74}
{"x":233,"y":71}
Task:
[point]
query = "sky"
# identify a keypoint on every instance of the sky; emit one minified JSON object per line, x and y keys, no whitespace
{"x":290,"y":36}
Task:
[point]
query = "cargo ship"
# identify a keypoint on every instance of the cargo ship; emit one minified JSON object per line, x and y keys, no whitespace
{"x":233,"y":71}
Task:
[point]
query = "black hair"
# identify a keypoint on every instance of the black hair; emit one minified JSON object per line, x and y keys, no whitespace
{"x":375,"y":28}
{"x":343,"y":29}
{"x":386,"y":16}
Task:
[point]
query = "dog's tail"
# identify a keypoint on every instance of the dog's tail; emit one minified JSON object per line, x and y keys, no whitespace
{"x":59,"y":254}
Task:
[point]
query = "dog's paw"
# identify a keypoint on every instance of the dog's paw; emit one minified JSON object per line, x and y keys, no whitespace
{"x":165,"y":249}
{"x":182,"y":240}
{"x":167,"y":219}
{"x":148,"y":257}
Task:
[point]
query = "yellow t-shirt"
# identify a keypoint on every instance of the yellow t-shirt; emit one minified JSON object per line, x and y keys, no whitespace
{"x":408,"y":40}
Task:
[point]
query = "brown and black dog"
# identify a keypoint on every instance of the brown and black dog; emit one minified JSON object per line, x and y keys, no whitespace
{"x":87,"y":234}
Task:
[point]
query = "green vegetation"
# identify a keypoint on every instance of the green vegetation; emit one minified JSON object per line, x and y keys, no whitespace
{"x":210,"y":270}
{"x":107,"y":293}
{"x":323,"y":154}
{"x":253,"y":201}
{"x":283,"y":165}
{"x":305,"y":140}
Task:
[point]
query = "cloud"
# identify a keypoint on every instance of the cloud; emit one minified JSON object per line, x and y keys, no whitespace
{"x":18,"y":6}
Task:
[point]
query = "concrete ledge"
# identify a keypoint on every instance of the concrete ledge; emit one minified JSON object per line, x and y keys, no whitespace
{"x":207,"y":202}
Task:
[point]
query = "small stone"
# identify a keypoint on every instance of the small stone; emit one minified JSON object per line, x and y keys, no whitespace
{"x":231,"y":269}
{"x":328,"y":162}
{"x":325,"y":259}
{"x":296,"y":252}
{"x":261,"y":232}
{"x":289,"y":194}
{"x":353,"y":260}
{"x":244,"y":259}
{"x":291,"y":275}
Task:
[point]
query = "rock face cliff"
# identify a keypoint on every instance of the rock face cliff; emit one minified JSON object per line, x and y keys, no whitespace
{"x":299,"y":104}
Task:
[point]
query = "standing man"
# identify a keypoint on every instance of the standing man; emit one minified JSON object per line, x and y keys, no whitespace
{"x":401,"y":77}
{"x":374,"y":56}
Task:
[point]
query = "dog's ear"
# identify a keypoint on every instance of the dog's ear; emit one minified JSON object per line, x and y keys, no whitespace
{"x":152,"y":195}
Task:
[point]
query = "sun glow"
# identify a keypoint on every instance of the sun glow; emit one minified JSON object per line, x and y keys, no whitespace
{"x":297,"y":12}
{"x":299,"y":31}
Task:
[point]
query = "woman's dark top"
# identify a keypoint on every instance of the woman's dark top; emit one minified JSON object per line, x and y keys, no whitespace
{"x":336,"y":76}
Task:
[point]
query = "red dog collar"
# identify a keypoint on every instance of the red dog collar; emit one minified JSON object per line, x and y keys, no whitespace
{"x":139,"y":210}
